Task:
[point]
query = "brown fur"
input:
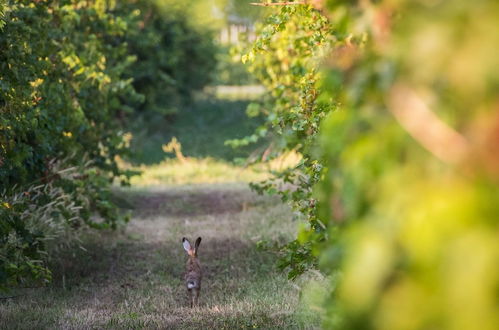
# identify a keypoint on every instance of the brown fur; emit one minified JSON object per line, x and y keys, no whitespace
{"x":193,"y":273}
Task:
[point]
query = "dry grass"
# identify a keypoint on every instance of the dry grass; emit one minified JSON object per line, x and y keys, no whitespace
{"x":133,"y":278}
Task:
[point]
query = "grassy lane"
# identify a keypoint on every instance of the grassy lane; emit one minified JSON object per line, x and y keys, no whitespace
{"x":201,"y":128}
{"x":133,"y":278}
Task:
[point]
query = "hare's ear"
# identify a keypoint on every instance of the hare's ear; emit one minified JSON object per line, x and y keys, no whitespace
{"x":186,"y":244}
{"x":196,"y":245}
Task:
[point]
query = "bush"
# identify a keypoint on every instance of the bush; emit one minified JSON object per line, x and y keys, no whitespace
{"x":175,"y":57}
{"x":407,"y":198}
{"x":285,"y":58}
{"x":410,"y":168}
{"x":66,"y":94}
{"x":60,"y":88}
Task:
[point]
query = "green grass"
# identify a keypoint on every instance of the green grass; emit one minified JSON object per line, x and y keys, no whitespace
{"x":195,"y":171}
{"x":132,"y":278}
{"x":201,"y":128}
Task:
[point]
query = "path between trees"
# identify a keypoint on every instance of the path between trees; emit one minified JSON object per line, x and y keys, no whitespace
{"x":133,"y":278}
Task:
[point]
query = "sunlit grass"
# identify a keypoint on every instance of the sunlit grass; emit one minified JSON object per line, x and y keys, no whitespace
{"x":208,"y":170}
{"x":196,"y":171}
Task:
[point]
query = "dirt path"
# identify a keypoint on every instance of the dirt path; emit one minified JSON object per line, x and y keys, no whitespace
{"x":133,"y":278}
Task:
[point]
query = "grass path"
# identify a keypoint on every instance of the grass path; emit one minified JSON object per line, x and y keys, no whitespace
{"x":133,"y":278}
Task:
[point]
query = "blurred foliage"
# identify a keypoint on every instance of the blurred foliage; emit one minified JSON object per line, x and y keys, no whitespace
{"x":243,"y":10}
{"x":177,"y":56}
{"x":408,"y":197}
{"x":230,"y":70}
{"x":174,"y":56}
{"x":214,"y":14}
{"x":2,"y":10}
{"x":412,"y":205}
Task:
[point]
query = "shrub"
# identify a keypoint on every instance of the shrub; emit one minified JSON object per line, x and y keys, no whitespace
{"x":286,"y":58}
{"x":67,"y":91}
{"x":175,"y":57}
{"x":407,"y":196}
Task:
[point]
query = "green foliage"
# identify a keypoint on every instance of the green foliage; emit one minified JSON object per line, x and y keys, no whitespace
{"x":67,"y":90}
{"x":230,"y":71}
{"x":58,"y":97}
{"x":285,"y":59}
{"x":175,"y":57}
{"x":407,"y":198}
{"x":61,"y":92}
{"x":414,"y":211}
{"x":2,"y":10}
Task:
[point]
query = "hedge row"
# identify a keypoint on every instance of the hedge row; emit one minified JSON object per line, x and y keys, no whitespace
{"x":394,"y":108}
{"x":72,"y":75}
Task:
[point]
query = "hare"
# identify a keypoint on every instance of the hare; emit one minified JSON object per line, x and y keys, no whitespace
{"x":193,"y":273}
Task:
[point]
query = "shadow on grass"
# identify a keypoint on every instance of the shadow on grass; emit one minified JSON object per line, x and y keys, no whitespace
{"x":192,"y":202}
{"x":125,"y":261}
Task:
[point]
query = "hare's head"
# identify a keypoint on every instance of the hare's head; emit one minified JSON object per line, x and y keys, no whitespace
{"x":191,"y":251}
